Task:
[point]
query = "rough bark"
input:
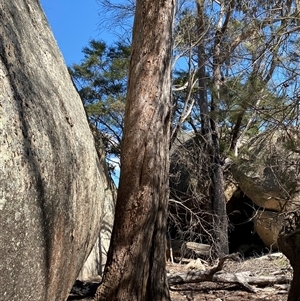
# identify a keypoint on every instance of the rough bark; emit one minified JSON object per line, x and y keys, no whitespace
{"x":135,"y":268}
{"x":289,"y":245}
{"x":50,"y":176}
{"x":210,"y":133}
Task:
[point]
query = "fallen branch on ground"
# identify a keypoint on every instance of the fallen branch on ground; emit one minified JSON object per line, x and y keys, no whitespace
{"x":245,"y":279}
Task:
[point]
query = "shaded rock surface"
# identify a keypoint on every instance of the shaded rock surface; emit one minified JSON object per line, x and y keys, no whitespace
{"x":95,"y":263}
{"x":268,"y":172}
{"x":190,"y":207}
{"x":268,"y":169}
{"x":51,"y":191}
{"x":268,"y":224}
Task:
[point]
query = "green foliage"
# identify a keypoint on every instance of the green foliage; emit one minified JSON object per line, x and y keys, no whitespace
{"x":258,"y":65}
{"x":101,"y":80}
{"x":185,"y":32}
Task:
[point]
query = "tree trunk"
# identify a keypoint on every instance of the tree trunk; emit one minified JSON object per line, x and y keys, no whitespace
{"x":135,"y":267}
{"x":51,"y":188}
{"x":289,"y":245}
{"x":210,"y":132}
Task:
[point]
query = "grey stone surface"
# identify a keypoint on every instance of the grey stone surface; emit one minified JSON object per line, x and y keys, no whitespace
{"x":268,"y":172}
{"x":95,"y":263}
{"x":268,"y":169}
{"x":267,"y":224}
{"x":51,"y":180}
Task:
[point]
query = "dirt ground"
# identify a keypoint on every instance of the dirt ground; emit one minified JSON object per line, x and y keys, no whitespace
{"x":268,"y":265}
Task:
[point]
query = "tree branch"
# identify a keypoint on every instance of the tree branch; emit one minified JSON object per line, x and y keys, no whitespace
{"x":245,"y":279}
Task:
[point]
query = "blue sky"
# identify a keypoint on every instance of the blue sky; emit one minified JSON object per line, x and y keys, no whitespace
{"x":74,"y":23}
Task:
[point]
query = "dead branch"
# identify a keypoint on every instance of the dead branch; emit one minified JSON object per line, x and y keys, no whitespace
{"x":245,"y":279}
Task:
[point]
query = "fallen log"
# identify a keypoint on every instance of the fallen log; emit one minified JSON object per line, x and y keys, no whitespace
{"x":245,"y":279}
{"x":199,"y":249}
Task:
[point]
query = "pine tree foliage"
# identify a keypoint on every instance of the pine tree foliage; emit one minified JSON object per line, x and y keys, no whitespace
{"x":259,"y":77}
{"x":247,"y":72}
{"x":101,"y":80}
{"x":258,"y":65}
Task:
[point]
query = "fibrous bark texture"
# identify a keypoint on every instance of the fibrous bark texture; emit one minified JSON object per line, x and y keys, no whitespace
{"x":289,"y":245}
{"x":51,"y":187}
{"x":136,"y":259}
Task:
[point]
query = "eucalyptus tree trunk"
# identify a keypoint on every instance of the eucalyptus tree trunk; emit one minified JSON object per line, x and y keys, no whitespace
{"x":210,"y":133}
{"x":135,"y":267}
{"x":289,"y":245}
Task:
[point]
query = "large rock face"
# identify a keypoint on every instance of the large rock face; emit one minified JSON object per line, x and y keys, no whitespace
{"x":268,"y":173}
{"x":50,"y":176}
{"x":268,"y":170}
{"x":95,"y":263}
{"x":267,"y":224}
{"x":190,"y":204}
